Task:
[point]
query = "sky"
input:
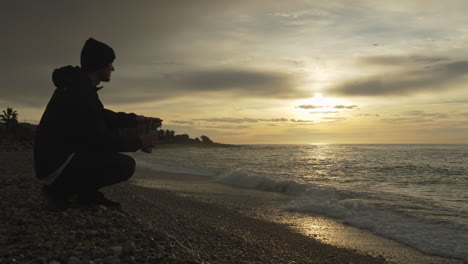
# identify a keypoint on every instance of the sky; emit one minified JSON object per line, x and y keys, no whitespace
{"x":256,"y":71}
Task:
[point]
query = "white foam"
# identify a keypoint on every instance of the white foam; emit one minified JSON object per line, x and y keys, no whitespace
{"x":245,"y":179}
{"x":429,"y":237}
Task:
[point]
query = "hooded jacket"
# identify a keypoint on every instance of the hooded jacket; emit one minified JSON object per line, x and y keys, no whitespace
{"x":75,"y":121}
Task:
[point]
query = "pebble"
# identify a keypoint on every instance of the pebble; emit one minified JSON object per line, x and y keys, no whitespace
{"x":138,"y":234}
{"x":111,"y":260}
{"x":117,"y":250}
{"x":54,"y":262}
{"x":41,"y":260}
{"x":20,"y":222}
{"x":4,"y":252}
{"x":74,"y":260}
{"x":129,"y":249}
{"x":92,"y":232}
{"x":161,"y":235}
{"x":188,"y":244}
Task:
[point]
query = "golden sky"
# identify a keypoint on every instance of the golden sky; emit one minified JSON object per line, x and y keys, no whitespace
{"x":256,"y":71}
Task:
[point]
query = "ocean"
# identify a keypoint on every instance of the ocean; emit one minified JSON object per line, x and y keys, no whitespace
{"x":414,"y":194}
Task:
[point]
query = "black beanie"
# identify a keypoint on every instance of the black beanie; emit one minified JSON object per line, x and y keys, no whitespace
{"x":96,"y":55}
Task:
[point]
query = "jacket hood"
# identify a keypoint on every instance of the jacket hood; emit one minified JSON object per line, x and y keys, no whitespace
{"x":69,"y":76}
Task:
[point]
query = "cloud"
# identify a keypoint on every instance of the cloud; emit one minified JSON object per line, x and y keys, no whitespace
{"x":416,"y":116}
{"x":345,"y":106}
{"x":406,"y":120}
{"x":182,"y":122}
{"x":333,"y":118}
{"x":457,"y":132}
{"x":318,"y":16}
{"x":401,"y":60}
{"x":327,"y":106}
{"x":240,"y":82}
{"x":376,"y":115}
{"x":227,"y":127}
{"x":454,"y":102}
{"x":408,"y":81}
{"x":275,"y":120}
{"x":141,"y":39}
{"x":225,"y":83}
{"x":424,"y":114}
{"x":311,"y":106}
{"x":229,"y":120}
{"x":249,"y":120}
{"x":301,"y":121}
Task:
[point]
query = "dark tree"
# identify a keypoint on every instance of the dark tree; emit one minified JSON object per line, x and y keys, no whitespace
{"x":206,"y":140}
{"x":184,"y":138}
{"x":9,"y":117}
{"x":161,"y":134}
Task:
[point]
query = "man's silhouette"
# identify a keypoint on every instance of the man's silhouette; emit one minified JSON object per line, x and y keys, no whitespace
{"x":77,"y":145}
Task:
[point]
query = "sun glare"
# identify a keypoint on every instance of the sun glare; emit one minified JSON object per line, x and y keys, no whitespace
{"x":318,"y":99}
{"x":318,"y":102}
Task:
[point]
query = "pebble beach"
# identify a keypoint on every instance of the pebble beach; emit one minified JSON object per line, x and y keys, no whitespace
{"x":152,"y":226}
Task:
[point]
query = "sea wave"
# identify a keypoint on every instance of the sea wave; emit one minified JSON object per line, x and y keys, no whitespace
{"x":353,"y":207}
{"x":241,"y":178}
{"x":357,"y":210}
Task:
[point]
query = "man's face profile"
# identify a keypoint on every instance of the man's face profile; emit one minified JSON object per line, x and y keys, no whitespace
{"x":105,"y":73}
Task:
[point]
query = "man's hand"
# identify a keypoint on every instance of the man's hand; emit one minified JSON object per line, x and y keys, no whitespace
{"x":149,"y":125}
{"x":158,"y":121}
{"x":148,"y":141}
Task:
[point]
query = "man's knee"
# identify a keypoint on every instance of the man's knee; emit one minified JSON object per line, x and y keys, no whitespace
{"x":127,"y":167}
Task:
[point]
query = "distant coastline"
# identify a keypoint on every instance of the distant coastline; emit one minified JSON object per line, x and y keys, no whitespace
{"x":194,"y":145}
{"x":20,"y":138}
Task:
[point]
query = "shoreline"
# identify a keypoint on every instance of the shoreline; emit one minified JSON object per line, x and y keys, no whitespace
{"x":273,"y":207}
{"x":223,"y":233}
{"x":155,"y":225}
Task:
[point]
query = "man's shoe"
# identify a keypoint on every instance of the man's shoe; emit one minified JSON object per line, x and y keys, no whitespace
{"x":56,"y":200}
{"x":95,"y":198}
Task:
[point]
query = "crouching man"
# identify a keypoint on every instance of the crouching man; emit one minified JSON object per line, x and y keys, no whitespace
{"x":77,"y":145}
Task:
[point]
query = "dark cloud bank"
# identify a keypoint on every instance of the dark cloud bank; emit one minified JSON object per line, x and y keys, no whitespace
{"x":415,"y":74}
{"x":242,"y":82}
{"x":42,"y":36}
{"x":232,"y":83}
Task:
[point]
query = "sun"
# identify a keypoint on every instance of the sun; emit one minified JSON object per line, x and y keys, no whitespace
{"x":318,"y":102}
